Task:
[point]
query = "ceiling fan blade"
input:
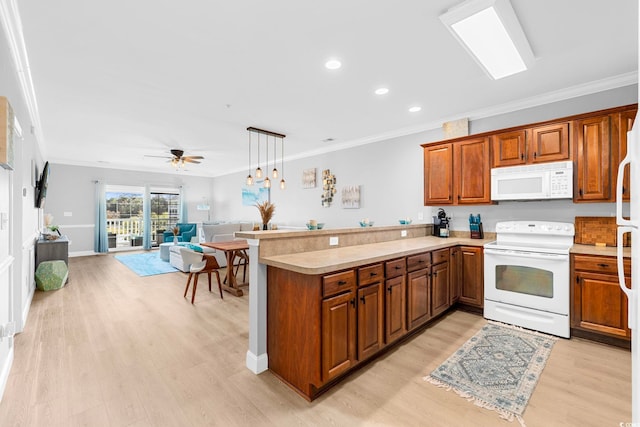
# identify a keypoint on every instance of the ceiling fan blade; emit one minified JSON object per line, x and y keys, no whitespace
{"x":159,"y":157}
{"x":193,"y":157}
{"x":189,"y":160}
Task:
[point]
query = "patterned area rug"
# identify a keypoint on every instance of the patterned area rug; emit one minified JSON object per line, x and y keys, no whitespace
{"x":146,"y":264}
{"x":497,"y":369}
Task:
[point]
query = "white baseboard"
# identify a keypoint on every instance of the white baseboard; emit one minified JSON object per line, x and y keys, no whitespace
{"x":26,"y":308}
{"x":6,"y":369}
{"x":257,"y":364}
{"x":82,"y":253}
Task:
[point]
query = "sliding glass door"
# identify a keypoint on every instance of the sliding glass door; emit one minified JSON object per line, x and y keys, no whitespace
{"x":165,"y":213}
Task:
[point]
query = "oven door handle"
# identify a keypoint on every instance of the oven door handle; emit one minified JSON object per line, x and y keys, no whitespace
{"x":529,"y":255}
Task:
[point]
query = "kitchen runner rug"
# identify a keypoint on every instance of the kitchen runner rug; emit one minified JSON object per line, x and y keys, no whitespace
{"x":497,"y":368}
{"x":146,"y":264}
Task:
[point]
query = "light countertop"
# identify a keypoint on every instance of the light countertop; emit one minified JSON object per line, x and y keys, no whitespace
{"x":329,"y":260}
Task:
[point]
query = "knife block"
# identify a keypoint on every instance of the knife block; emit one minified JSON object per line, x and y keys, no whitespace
{"x":476,"y":231}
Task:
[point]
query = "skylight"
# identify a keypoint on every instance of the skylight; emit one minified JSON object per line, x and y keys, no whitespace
{"x":489,"y":30}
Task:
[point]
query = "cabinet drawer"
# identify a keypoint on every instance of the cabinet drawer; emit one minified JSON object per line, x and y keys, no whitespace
{"x":370,"y":274}
{"x":607,"y":265}
{"x":416,"y":262}
{"x":440,"y":256}
{"x":394,"y":268}
{"x":333,"y":284}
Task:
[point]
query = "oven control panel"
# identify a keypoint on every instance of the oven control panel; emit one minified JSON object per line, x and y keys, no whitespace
{"x":536,"y":227}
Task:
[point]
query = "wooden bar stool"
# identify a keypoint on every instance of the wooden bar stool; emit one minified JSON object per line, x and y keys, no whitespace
{"x":200,"y":263}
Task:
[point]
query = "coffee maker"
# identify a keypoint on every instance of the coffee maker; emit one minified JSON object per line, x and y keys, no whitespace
{"x":441,"y":224}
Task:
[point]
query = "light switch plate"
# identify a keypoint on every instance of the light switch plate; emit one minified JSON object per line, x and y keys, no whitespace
{"x":68,"y":214}
{"x":333,"y":241}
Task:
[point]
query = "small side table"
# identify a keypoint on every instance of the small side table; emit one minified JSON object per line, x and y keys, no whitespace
{"x":164,"y":250}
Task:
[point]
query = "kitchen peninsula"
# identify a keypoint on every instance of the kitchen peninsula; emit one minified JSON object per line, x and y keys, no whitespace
{"x":319,"y":309}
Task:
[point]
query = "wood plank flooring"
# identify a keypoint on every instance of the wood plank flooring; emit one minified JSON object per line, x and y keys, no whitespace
{"x":115,"y":349}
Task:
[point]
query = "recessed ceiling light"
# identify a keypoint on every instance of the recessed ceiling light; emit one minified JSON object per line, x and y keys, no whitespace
{"x":381,"y":91}
{"x":414,"y":109}
{"x":333,"y":64}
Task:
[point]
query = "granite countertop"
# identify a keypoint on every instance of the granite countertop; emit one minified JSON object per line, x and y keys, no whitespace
{"x":329,"y":260}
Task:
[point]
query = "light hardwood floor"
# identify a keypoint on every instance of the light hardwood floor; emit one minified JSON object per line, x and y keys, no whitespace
{"x":115,"y":349}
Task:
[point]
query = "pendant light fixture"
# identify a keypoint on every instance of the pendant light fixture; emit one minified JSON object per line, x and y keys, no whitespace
{"x":267,"y":181}
{"x":258,"y":170}
{"x":282,"y":183}
{"x":249,"y":177}
{"x":275,"y":173}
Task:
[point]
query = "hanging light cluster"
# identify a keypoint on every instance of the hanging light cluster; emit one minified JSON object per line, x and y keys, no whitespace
{"x":275,"y":174}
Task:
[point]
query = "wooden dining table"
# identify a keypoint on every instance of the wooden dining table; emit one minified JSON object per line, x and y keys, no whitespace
{"x":231,"y":249}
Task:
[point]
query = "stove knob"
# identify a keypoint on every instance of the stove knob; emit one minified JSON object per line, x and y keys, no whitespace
{"x":558,"y":227}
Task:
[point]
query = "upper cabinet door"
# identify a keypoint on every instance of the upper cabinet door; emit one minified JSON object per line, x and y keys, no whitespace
{"x":621,"y":124}
{"x":593,"y":158}
{"x":549,"y":143}
{"x":438,"y":174}
{"x":472,"y":177}
{"x":509,"y":148}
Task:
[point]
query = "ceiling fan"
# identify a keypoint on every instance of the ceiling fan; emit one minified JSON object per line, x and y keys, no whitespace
{"x":178,"y":159}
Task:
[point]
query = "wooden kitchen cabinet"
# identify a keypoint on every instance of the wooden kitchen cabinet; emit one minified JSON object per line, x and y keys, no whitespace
{"x":538,"y":144}
{"x":457,"y":173}
{"x":395,"y":308}
{"x":598,"y":304}
{"x":593,"y":159}
{"x":621,"y":123}
{"x":548,"y":143}
{"x":438,"y":174}
{"x":455,"y":268}
{"x":440,"y":283}
{"x":338,"y":335}
{"x":370,"y":308}
{"x":471,"y":276}
{"x":418,"y":284}
{"x":472,"y":172}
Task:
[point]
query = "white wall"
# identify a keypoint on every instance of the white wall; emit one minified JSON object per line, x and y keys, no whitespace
{"x":390,"y":174}
{"x":72,"y":189}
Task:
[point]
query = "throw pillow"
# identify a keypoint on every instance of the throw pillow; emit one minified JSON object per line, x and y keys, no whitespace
{"x":195,"y":248}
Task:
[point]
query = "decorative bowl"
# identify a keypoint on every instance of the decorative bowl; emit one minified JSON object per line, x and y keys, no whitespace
{"x":320,"y":225}
{"x":315,"y":227}
{"x":366,"y":224}
{"x":405,"y":221}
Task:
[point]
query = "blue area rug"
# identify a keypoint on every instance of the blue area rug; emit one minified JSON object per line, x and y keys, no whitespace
{"x":146,"y":264}
{"x":498,"y":368}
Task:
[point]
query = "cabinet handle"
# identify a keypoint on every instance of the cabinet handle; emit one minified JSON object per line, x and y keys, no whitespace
{"x":420,"y":261}
{"x":389,"y":289}
{"x":372,"y":274}
{"x":435,"y":273}
{"x":342,"y":282}
{"x":603,"y":265}
{"x":353,"y":302}
{"x":521,"y":156}
{"x":624,"y":190}
{"x":535,"y":155}
{"x":398,"y":267}
{"x":580,"y":192}
{"x":459,"y":197}
{"x":362,"y":299}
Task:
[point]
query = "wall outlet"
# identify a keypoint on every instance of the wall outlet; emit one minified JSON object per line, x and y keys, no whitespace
{"x":333,"y":241}
{"x":420,"y":216}
{"x":403,"y":233}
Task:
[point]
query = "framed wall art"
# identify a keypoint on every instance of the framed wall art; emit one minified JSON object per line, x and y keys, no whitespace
{"x":256,"y":193}
{"x":309,"y":178}
{"x":351,"y":197}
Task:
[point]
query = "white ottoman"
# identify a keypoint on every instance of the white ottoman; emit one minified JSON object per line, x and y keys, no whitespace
{"x":164,"y":251}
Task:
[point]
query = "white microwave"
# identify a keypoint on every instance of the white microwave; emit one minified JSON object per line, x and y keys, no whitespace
{"x":533,"y":182}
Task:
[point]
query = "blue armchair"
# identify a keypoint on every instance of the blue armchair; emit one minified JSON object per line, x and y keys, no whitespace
{"x":187,"y":231}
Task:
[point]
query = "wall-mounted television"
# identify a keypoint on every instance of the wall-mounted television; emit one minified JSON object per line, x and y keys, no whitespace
{"x":41,"y":187}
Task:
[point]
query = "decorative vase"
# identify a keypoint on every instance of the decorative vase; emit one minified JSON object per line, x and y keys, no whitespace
{"x":265,"y":226}
{"x":175,"y":240}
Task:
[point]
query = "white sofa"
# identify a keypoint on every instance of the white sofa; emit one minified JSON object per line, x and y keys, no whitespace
{"x":220,"y":232}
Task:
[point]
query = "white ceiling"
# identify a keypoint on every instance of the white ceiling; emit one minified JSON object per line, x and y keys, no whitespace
{"x":117,"y":80}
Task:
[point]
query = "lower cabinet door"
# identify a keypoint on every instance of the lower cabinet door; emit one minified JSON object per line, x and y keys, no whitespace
{"x":395,"y":309}
{"x":439,"y":288}
{"x":370,"y":320}
{"x":418,"y":303}
{"x":338,"y":334}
